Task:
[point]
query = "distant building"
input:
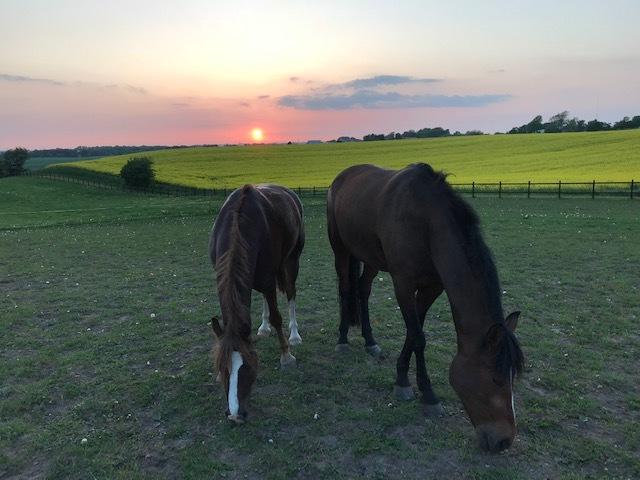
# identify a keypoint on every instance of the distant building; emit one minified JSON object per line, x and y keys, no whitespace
{"x":312,"y":142}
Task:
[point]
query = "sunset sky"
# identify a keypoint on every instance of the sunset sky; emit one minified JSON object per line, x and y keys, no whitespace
{"x":86,"y":72}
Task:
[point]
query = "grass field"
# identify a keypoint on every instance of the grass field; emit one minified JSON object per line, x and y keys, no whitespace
{"x":38,"y":163}
{"x":602,"y":156}
{"x":82,"y":357}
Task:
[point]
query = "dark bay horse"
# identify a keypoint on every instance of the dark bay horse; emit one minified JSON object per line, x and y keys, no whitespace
{"x":255,"y":243}
{"x":411,"y":224}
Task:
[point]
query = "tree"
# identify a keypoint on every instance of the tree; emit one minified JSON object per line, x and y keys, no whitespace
{"x":557,"y":123}
{"x":13,"y":162}
{"x":138,"y":172}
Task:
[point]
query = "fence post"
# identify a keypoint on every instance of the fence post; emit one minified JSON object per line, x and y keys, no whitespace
{"x":314,"y":191}
{"x":559,"y":187}
{"x":473,"y":189}
{"x":529,"y":189}
{"x":500,"y":189}
{"x":631,"y":192}
{"x":593,"y":190}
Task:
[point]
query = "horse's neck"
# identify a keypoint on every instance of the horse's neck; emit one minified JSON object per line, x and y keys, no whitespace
{"x":467,"y":292}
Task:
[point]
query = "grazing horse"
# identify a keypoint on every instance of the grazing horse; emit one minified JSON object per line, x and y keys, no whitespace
{"x":411,"y":224}
{"x":255,"y":243}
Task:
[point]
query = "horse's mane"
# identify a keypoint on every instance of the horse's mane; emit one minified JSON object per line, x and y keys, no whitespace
{"x":508,"y":353}
{"x":233,"y":275}
{"x":509,"y":359}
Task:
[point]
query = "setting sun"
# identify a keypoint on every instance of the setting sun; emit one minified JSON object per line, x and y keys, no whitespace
{"x":257,"y":135}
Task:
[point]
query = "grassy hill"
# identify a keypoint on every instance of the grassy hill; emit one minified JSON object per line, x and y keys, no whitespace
{"x":603,"y":156}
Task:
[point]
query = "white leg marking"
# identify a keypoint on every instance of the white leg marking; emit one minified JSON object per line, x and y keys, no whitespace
{"x":236,"y":363}
{"x":513,"y":407}
{"x":264,"y":330}
{"x":294,"y":336}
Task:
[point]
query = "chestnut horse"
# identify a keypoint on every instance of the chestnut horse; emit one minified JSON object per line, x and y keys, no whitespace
{"x":411,"y":224}
{"x":255,"y":243}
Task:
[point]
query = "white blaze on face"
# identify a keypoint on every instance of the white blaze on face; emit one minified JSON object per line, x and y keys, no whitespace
{"x":236,"y":363}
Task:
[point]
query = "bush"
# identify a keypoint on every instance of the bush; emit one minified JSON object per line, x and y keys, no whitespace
{"x":12,"y":162}
{"x":138,"y":172}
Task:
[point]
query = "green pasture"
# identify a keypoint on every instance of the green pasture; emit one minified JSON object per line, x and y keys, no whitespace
{"x":105,"y":301}
{"x":583,"y":157}
{"x":38,"y":163}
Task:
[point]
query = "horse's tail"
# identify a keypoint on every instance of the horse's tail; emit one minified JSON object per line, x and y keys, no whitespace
{"x":353,"y":297}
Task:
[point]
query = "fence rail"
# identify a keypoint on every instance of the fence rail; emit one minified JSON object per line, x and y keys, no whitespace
{"x":499,"y":189}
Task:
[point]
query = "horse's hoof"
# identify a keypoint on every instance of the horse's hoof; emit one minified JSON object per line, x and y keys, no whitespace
{"x":433,"y":410}
{"x":264,"y":332}
{"x":287,"y":361}
{"x":343,"y":348}
{"x":403,"y":393}
{"x":374,"y":350}
{"x":236,"y":419}
{"x":295,"y":340}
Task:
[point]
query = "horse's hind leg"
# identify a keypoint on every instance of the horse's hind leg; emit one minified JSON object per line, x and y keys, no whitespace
{"x":364,"y":290}
{"x":291,"y":268}
{"x":347,"y":269}
{"x":264,"y":330}
{"x":286,"y":359}
{"x":424,"y":299}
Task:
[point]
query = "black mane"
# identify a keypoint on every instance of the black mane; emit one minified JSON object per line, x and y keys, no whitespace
{"x":508,"y":352}
{"x":467,"y":223}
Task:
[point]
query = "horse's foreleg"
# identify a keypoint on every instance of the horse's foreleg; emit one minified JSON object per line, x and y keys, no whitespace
{"x":364,"y":290}
{"x":286,"y":359}
{"x":264,"y":330}
{"x":424,"y":299}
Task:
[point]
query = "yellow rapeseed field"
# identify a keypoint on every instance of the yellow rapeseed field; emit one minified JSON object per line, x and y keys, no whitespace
{"x":601,"y":156}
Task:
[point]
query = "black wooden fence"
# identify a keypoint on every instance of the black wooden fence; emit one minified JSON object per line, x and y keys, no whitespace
{"x":529,"y":189}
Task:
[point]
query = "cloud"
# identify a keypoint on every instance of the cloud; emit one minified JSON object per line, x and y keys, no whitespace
{"x":294,"y":79}
{"x":24,"y":79}
{"x":381,"y":80}
{"x":263,"y":97}
{"x":47,"y":81}
{"x":377,"y":100}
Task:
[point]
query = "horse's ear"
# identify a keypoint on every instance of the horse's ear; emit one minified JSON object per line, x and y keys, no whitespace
{"x":216,"y":327}
{"x":512,"y":321}
{"x":494,"y":336}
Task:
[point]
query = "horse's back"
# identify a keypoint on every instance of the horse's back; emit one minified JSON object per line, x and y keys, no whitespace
{"x":382,"y":216}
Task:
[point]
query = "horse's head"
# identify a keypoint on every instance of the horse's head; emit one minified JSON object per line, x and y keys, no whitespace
{"x":237,"y":365}
{"x":483,"y":376}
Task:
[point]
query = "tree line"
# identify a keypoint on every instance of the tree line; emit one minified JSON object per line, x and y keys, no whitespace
{"x":103,"y":151}
{"x":558,"y":123}
{"x":422,"y":133}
